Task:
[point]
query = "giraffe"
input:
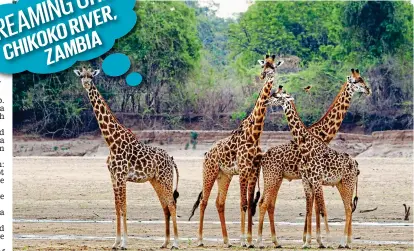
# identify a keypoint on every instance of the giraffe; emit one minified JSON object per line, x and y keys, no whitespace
{"x":238,"y":154}
{"x":320,"y":165}
{"x":283,"y":161}
{"x":130,"y":160}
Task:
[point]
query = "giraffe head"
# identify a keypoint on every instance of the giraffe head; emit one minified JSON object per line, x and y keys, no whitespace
{"x":86,"y":76}
{"x":357,"y":83}
{"x":279,"y":98}
{"x":269,"y":66}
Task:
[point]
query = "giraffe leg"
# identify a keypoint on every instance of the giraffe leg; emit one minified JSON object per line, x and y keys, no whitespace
{"x":268,"y":204}
{"x":210,"y":173}
{"x":162,"y":198}
{"x":309,"y":207}
{"x":319,"y":210}
{"x":223,"y":182}
{"x":324,"y":212}
{"x":167,"y":216}
{"x":243,"y":177}
{"x":271,"y":211}
{"x":124,"y":218}
{"x":119,"y":203}
{"x":345,"y":188}
{"x":262,"y":212}
{"x":173,"y":212}
{"x":250,"y":197}
{"x":305,"y":229}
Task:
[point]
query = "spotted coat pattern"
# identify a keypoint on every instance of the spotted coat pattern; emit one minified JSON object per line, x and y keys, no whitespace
{"x":237,"y":155}
{"x":320,"y":165}
{"x":132,"y":161}
{"x":282,"y":162}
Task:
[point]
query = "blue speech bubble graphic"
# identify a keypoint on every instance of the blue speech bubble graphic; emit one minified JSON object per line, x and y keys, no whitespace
{"x":134,"y":79}
{"x":116,"y":64}
{"x":44,"y":36}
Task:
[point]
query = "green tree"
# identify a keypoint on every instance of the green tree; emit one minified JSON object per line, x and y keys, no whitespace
{"x":164,"y":47}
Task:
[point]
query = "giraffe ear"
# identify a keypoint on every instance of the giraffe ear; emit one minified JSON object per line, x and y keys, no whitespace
{"x":261,"y":62}
{"x":77,"y":72}
{"x":95,"y":73}
{"x":279,"y":63}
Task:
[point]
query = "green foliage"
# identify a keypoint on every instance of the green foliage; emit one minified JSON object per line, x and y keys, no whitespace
{"x":200,"y":68}
{"x":285,"y":28}
{"x":164,"y":47}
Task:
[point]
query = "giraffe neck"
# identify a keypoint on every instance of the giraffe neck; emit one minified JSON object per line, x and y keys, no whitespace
{"x":297,"y":128}
{"x":108,"y":123}
{"x":257,"y":116}
{"x":327,"y":127}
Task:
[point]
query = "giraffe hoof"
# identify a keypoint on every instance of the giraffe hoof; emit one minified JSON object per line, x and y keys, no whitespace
{"x":306,"y":246}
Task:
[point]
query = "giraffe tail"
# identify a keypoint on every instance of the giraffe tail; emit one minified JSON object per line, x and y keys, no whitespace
{"x":355,"y":202}
{"x":196,"y":204}
{"x":176,"y":194}
{"x":257,"y":198}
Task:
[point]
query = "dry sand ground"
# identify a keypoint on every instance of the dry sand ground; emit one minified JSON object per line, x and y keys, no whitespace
{"x":79,"y":188}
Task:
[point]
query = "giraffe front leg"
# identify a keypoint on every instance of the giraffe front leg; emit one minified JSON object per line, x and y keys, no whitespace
{"x":118,"y":208}
{"x":124,"y":218}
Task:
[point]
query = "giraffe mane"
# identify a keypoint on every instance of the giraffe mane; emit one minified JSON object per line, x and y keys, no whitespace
{"x":331,"y":106}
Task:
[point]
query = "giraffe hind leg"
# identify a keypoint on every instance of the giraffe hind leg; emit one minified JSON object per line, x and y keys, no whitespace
{"x":166,"y":198}
{"x":210,"y":173}
{"x":320,"y":210}
{"x":223,"y":182}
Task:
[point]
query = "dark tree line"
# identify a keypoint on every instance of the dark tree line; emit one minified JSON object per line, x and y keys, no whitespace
{"x":199,"y":71}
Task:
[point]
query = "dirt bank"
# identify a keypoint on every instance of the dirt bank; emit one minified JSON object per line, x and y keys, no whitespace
{"x":379,"y":144}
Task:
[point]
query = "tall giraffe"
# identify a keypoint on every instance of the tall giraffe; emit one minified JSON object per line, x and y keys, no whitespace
{"x":131,"y":160}
{"x":237,"y":155}
{"x":283,"y":161}
{"x":319,"y":166}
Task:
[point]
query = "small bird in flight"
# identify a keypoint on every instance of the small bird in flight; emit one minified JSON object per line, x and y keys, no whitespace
{"x":307,"y":88}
